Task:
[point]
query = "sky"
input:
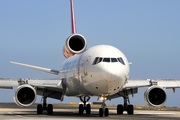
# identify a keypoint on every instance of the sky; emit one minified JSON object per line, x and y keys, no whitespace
{"x":147,"y":32}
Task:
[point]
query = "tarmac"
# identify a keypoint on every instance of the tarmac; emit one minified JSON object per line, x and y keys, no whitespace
{"x":10,"y":111}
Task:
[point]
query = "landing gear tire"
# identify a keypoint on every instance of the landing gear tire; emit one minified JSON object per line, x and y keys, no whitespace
{"x":120,"y":109}
{"x":50,"y":109}
{"x":100,"y":112}
{"x":81,"y":109}
{"x":130,"y":110}
{"x":106,"y":112}
{"x":84,"y":106}
{"x":88,"y":109}
{"x":39,"y":109}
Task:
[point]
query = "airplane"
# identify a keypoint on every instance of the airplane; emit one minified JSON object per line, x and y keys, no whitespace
{"x":101,"y":71}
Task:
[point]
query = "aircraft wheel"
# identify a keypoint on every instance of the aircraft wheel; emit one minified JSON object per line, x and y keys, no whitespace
{"x":106,"y":112}
{"x":130,"y":109}
{"x":50,"y":109}
{"x":100,"y":112}
{"x":120,"y":109}
{"x":88,"y":109}
{"x":81,"y":109}
{"x":39,"y":109}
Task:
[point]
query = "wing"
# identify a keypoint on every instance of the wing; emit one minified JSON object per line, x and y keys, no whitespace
{"x":56,"y":72}
{"x":52,"y":88}
{"x":131,"y":87}
{"x":137,"y":83}
{"x":9,"y":83}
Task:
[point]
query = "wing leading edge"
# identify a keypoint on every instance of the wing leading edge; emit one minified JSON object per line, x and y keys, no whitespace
{"x":52,"y":87}
{"x":9,"y":83}
{"x":165,"y":83}
{"x":131,"y":87}
{"x":56,"y":72}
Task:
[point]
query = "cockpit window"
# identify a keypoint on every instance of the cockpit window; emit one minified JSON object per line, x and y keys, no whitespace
{"x":97,"y":60}
{"x":121,"y":60}
{"x":106,"y":60}
{"x":113,"y":60}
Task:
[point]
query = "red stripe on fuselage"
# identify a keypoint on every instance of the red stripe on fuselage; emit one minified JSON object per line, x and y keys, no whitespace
{"x":79,"y":68}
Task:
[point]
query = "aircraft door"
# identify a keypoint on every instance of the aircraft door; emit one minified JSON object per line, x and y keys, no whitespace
{"x":86,"y":66}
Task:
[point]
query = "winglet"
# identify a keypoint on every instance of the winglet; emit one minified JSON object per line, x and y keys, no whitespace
{"x":73,"y":22}
{"x":56,"y":72}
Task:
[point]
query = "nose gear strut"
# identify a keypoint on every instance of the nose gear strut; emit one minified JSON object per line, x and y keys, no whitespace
{"x":103,"y":108}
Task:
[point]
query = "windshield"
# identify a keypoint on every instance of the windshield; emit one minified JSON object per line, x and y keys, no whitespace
{"x":108,"y":60}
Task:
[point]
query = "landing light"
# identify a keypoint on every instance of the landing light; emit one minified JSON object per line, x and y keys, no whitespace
{"x":103,"y":98}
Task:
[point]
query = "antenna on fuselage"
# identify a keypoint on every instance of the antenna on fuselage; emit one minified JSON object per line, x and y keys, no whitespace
{"x":73,"y":22}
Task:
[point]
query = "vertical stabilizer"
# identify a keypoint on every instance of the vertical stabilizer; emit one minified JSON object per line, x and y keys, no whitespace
{"x":73,"y":22}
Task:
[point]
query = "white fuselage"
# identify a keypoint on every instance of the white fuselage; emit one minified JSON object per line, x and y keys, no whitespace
{"x":99,"y":71}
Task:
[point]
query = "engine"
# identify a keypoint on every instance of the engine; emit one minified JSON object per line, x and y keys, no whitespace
{"x":155,"y":96}
{"x":25,"y":95}
{"x":74,"y":44}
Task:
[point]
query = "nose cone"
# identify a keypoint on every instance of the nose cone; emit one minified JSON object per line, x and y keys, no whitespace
{"x":110,"y":72}
{"x":114,"y":77}
{"x":107,"y":71}
{"x":108,"y":79}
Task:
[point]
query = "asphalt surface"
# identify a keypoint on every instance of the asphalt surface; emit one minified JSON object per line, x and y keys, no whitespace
{"x":10,"y":111}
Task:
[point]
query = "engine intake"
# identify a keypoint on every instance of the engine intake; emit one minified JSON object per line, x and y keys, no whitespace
{"x":155,"y":96}
{"x":75,"y":43}
{"x":25,"y":95}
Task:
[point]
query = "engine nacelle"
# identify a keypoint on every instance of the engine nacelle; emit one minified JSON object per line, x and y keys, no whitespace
{"x":25,"y":95}
{"x":75,"y":43}
{"x":155,"y":96}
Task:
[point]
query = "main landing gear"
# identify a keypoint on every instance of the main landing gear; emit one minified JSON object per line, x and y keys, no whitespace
{"x":128,"y":108}
{"x":84,"y":106}
{"x":103,"y":108}
{"x":48,"y":108}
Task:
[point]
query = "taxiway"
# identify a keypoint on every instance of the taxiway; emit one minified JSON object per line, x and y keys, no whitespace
{"x":11,"y":111}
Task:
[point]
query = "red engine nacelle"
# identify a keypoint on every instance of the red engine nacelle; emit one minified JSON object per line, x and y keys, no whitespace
{"x":75,"y":43}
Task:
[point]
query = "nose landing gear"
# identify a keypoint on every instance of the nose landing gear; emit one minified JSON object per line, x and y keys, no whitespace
{"x":103,"y":108}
